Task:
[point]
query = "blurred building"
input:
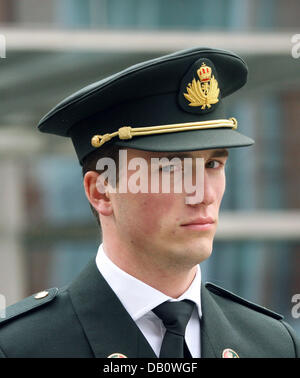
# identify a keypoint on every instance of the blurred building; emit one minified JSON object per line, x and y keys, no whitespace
{"x":55,"y":47}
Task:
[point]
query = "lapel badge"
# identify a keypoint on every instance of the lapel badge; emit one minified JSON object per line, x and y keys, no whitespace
{"x":117,"y":355}
{"x":229,"y":353}
{"x":203,"y":92}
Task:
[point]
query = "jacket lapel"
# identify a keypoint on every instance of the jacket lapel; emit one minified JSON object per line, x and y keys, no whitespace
{"x":217,"y":333}
{"x":107,"y":325}
{"x":110,"y":329}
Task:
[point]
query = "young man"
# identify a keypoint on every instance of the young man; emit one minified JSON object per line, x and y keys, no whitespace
{"x":142,"y":296}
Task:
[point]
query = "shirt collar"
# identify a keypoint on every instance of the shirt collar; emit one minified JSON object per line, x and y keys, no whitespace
{"x":143,"y":298}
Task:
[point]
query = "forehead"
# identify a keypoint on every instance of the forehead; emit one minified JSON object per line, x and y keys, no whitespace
{"x":220,"y":152}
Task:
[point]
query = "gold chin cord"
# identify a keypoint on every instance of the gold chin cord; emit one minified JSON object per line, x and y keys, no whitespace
{"x":127,"y":132}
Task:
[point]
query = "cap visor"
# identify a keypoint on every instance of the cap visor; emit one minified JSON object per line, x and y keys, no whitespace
{"x":188,"y":140}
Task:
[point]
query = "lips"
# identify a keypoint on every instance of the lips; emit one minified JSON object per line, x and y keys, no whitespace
{"x":200,"y":221}
{"x":199,"y":224}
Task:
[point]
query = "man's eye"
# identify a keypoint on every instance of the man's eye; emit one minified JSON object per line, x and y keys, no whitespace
{"x":213,"y":164}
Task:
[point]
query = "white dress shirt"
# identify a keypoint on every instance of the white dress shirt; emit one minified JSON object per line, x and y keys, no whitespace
{"x":139,"y":299}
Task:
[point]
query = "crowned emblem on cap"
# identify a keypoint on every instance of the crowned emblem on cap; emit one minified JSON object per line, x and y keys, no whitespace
{"x":203,"y":92}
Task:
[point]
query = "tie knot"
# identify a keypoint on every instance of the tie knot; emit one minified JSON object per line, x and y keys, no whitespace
{"x":175,"y":315}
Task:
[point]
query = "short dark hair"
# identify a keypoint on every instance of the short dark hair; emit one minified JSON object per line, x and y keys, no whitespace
{"x":90,"y":162}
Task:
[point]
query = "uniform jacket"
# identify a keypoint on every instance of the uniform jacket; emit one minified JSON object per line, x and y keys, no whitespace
{"x":86,"y":319}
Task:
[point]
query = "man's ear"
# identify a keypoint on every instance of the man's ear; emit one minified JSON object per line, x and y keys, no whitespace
{"x":97,"y":193}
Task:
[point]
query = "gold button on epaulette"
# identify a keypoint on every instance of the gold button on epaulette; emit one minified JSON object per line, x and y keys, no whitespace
{"x":41,"y":294}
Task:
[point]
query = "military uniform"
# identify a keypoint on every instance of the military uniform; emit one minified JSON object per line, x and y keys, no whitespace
{"x":86,"y":319}
{"x":173,"y":103}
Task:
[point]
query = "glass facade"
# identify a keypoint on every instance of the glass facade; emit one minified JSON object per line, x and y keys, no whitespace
{"x":176,"y":14}
{"x":236,"y":15}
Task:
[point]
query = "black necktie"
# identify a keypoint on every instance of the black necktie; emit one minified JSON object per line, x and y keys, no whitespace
{"x":175,"y":317}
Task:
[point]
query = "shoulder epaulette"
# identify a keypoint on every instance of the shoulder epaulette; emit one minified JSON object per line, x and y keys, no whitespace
{"x":228,"y":294}
{"x":28,"y":304}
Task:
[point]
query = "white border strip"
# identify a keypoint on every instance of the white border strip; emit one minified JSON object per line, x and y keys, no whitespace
{"x":257,"y":225}
{"x":145,"y":41}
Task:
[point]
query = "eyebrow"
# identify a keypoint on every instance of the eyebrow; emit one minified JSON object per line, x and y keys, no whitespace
{"x":178,"y":156}
{"x":215,"y":153}
{"x":220,"y":153}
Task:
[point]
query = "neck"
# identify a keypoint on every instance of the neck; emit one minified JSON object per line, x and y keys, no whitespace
{"x":169,"y":277}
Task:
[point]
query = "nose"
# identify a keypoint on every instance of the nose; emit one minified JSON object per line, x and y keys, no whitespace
{"x":204,"y":195}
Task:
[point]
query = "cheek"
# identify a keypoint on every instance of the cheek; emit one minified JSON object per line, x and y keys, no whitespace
{"x":154,"y":212}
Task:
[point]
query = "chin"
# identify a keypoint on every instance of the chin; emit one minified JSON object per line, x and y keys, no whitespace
{"x":200,"y":251}
{"x":191,"y":254}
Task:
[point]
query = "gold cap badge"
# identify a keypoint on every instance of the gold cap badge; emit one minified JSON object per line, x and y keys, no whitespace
{"x":203,"y":92}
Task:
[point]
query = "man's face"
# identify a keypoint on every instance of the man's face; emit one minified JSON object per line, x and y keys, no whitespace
{"x":162,"y":227}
